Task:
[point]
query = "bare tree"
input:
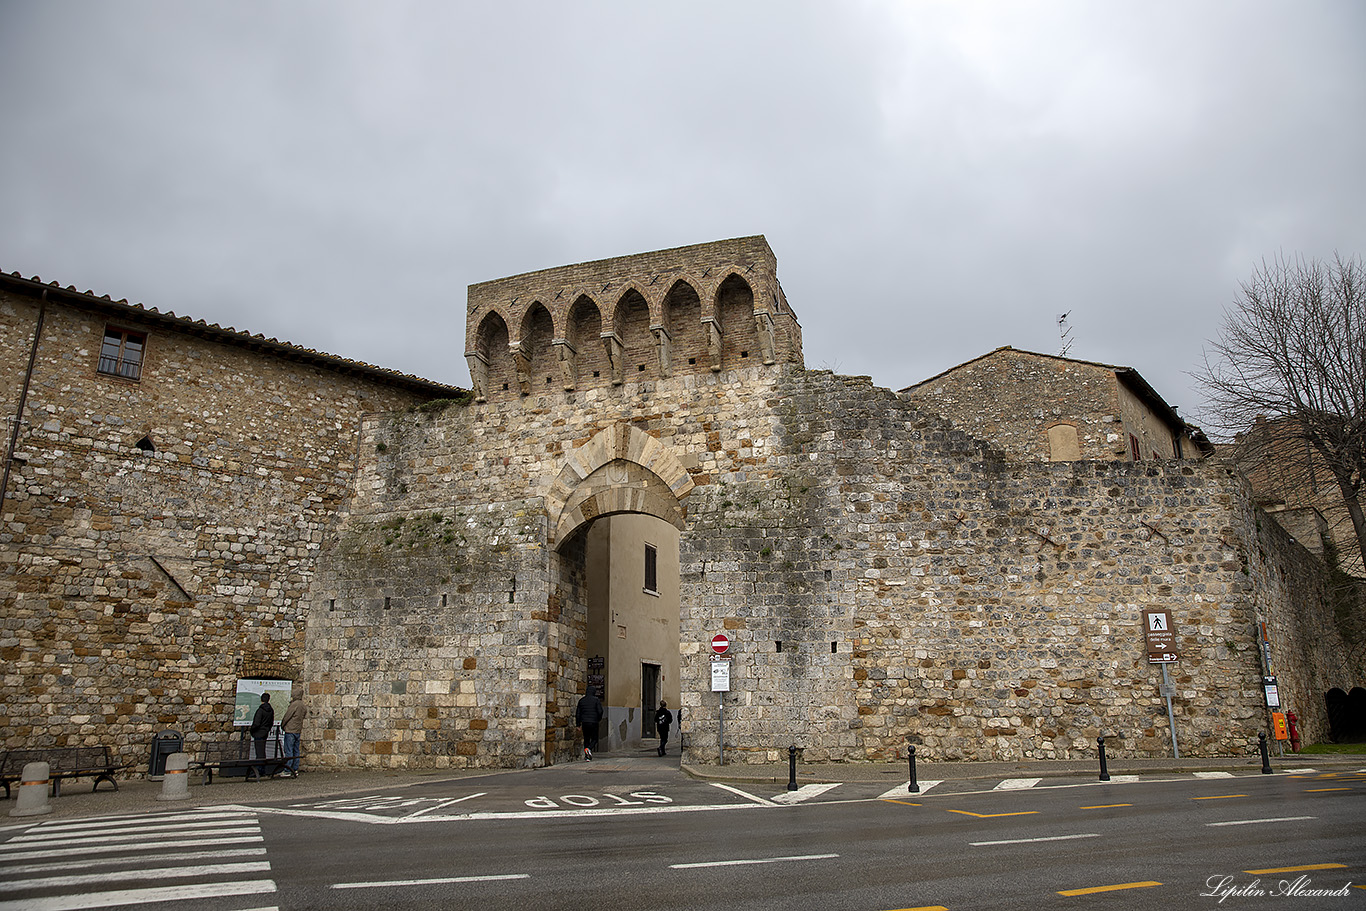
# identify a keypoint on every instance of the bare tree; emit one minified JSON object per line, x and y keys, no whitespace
{"x":1288,"y":377}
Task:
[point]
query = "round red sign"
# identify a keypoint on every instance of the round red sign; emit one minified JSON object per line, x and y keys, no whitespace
{"x":719,"y":643}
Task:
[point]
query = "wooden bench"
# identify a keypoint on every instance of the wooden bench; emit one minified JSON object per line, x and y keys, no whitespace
{"x":224,"y":755}
{"x":63,"y":762}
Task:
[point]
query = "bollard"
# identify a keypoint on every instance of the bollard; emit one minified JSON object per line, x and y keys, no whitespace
{"x":792,"y":768}
{"x":913,"y":787}
{"x":1104,"y":772}
{"x":32,"y":800}
{"x":175,"y":783}
{"x":1266,"y":759}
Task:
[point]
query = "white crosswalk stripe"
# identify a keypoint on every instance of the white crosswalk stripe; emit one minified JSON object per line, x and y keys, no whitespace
{"x":119,"y":861}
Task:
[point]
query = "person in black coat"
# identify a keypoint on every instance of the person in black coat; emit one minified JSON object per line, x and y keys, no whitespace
{"x":261,"y":724}
{"x":587,"y":716}
{"x":664,"y":719}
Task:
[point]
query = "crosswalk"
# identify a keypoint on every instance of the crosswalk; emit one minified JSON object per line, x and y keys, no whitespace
{"x":207,"y":859}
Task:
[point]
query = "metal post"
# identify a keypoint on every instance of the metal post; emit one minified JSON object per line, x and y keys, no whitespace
{"x":1261,"y":745}
{"x":792,"y":768}
{"x":1104,"y":772}
{"x":721,"y":728}
{"x":1171,"y":718}
{"x":914,"y":788}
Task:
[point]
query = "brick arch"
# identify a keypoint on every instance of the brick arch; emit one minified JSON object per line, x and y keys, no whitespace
{"x":739,"y":340}
{"x":621,"y":469}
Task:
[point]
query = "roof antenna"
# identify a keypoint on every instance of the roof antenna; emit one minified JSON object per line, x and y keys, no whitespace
{"x":1065,"y":333}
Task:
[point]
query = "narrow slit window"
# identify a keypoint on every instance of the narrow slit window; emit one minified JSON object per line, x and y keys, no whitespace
{"x":651,"y":568}
{"x":121,"y":353}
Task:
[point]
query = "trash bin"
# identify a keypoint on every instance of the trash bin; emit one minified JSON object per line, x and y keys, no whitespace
{"x":163,"y":745}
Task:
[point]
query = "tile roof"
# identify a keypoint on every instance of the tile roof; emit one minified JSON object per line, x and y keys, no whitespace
{"x":88,"y":300}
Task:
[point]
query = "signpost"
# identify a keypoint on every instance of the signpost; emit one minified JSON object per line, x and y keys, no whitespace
{"x":720,"y":685}
{"x":1159,"y":637}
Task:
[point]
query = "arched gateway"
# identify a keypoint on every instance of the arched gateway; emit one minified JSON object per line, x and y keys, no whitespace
{"x":883,"y":576}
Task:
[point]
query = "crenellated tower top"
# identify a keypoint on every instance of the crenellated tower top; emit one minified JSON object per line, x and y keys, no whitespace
{"x":697,"y":309}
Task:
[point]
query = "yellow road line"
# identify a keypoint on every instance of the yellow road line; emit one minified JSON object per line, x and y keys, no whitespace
{"x":909,"y":804}
{"x":925,"y":908}
{"x":1321,"y":790}
{"x":1301,"y":869}
{"x":1094,"y":889}
{"x":1219,"y":797}
{"x":994,"y":815}
{"x":1105,"y":806}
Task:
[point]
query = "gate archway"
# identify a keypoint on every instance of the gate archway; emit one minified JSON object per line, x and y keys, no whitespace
{"x":615,"y":513}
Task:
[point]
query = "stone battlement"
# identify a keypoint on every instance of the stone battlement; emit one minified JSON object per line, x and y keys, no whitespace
{"x":696,"y":309}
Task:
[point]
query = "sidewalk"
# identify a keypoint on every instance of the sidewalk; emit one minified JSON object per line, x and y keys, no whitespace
{"x":139,"y":796}
{"x":817,"y":773}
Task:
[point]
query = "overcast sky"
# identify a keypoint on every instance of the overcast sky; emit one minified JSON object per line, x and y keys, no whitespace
{"x":936,"y":179}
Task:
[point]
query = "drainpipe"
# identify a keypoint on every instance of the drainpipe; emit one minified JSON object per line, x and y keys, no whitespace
{"x":23,"y":400}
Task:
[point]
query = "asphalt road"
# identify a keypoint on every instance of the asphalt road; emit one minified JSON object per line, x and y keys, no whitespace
{"x":597,"y":836}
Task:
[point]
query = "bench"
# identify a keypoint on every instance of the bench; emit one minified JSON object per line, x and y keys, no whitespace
{"x":236,"y":754}
{"x":62,"y":762}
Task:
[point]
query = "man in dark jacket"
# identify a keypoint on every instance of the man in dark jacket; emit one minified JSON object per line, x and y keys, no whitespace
{"x":663,"y":720}
{"x":587,"y":716}
{"x":261,"y":723}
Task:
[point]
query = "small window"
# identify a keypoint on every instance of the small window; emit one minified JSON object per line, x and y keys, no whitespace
{"x":651,"y":568}
{"x":1133,"y":448}
{"x":121,"y":353}
{"x":146,"y":445}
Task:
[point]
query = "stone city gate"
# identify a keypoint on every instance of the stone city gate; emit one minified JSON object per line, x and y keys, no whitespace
{"x":882,"y":575}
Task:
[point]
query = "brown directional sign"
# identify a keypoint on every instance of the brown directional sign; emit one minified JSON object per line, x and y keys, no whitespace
{"x":1159,"y":636}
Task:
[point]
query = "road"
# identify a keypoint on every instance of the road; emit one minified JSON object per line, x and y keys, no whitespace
{"x":607,"y":835}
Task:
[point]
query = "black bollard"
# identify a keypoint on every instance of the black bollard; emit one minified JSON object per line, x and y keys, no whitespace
{"x":792,"y":768}
{"x":913,"y":787}
{"x":1104,"y":772}
{"x":1266,"y":759}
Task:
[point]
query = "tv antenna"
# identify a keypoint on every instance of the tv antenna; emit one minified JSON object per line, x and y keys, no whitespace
{"x":1065,"y":333}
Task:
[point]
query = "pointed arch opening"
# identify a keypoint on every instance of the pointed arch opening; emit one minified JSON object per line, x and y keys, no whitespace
{"x":584,"y":334}
{"x":538,"y":332}
{"x":491,"y":344}
{"x":683,"y":319}
{"x":735,"y":310}
{"x":631,"y":320}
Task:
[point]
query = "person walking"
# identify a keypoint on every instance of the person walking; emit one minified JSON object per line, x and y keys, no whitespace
{"x":261,"y":724}
{"x":587,"y":716}
{"x":293,"y":725}
{"x":663,"y":720}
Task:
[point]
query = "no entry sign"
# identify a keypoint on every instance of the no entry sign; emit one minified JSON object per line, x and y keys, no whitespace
{"x":720,"y":643}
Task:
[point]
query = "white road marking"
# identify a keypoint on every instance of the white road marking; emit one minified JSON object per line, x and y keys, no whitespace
{"x":139,"y":896}
{"x":141,"y":849}
{"x":444,"y":803}
{"x":1300,"y":771}
{"x":1253,"y":822}
{"x":904,"y":790}
{"x":83,"y":862}
{"x":1021,"y":841}
{"x":745,"y":794}
{"x":1213,"y":774}
{"x":1123,"y":779}
{"x":56,"y":882}
{"x":805,"y":792}
{"x":113,"y":841}
{"x":106,"y":822}
{"x":189,"y":828}
{"x":1017,"y":784}
{"x":756,"y":860}
{"x":432,"y":882}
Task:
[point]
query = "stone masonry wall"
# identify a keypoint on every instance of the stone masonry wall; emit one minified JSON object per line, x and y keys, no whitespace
{"x":139,"y":585}
{"x":922,"y":585}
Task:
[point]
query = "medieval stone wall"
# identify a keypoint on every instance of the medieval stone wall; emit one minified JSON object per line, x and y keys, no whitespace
{"x":883,"y":576}
{"x":139,"y":584}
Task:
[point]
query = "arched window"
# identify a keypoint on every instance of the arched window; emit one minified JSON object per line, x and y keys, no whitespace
{"x":538,"y":331}
{"x":491,"y":342}
{"x":632,"y":322}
